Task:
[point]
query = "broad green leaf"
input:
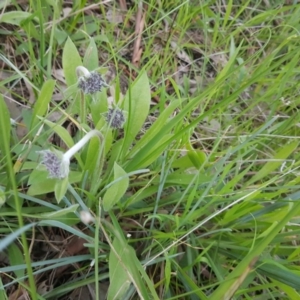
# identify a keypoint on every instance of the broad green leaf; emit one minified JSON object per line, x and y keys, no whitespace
{"x":155,"y":140}
{"x":98,"y":110}
{"x":94,"y":162}
{"x":14,"y":17}
{"x":2,"y":196}
{"x":29,"y":26}
{"x":5,"y":126}
{"x":167,"y":271}
{"x":2,"y":289}
{"x":5,"y":151}
{"x":93,"y":151}
{"x":41,"y":105}
{"x":60,"y":188}
{"x":5,"y":134}
{"x":40,"y":183}
{"x":182,"y":162}
{"x":117,"y":189}
{"x":132,"y":265}
{"x":91,"y":60}
{"x":60,"y":35}
{"x":107,"y":134}
{"x":114,"y":153}
{"x":71,"y":60}
{"x":118,"y":276}
{"x":155,"y":129}
{"x":137,"y":104}
{"x":16,"y":258}
{"x":196,"y":156}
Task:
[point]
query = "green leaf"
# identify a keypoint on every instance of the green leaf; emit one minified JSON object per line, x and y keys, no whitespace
{"x":196,"y":156}
{"x":71,"y":60}
{"x":128,"y":260}
{"x":279,"y":158}
{"x":94,"y":162}
{"x":41,"y":105}
{"x":4,"y":126}
{"x":118,"y":275}
{"x":2,"y":289}
{"x":2,"y":196}
{"x":16,"y":258}
{"x":60,"y":188}
{"x":117,"y":189}
{"x":281,"y":273}
{"x":288,"y":290}
{"x":66,"y":227}
{"x":5,"y":242}
{"x":229,"y":285}
{"x":152,"y":154}
{"x":59,"y":213}
{"x":182,"y":162}
{"x":14,"y":17}
{"x":61,"y":132}
{"x":60,"y":36}
{"x":114,"y":153}
{"x":146,"y":147}
{"x":40,"y":183}
{"x":91,"y":60}
{"x":137,"y":104}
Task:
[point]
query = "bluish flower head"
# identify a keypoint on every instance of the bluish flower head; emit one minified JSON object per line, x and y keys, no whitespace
{"x":115,"y":118}
{"x":58,"y":163}
{"x":57,"y":166}
{"x":91,"y":83}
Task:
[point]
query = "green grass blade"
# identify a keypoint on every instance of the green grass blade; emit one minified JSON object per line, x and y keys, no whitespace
{"x":236,"y":277}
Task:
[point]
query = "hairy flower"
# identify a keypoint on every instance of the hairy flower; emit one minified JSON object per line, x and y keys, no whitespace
{"x":90,"y":82}
{"x":58,"y":163}
{"x":55,"y":164}
{"x":115,"y":118}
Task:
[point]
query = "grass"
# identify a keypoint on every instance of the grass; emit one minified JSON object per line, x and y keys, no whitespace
{"x":196,"y":196}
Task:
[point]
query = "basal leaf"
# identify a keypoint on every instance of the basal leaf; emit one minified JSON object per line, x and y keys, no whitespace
{"x":144,"y":152}
{"x":60,"y":188}
{"x":137,"y":104}
{"x":94,"y":162}
{"x":16,"y":258}
{"x":119,"y":279}
{"x":40,"y":183}
{"x":41,"y":105}
{"x":4,"y":126}
{"x":71,"y":60}
{"x":117,"y":189}
{"x":14,"y":17}
{"x":91,"y":60}
{"x":126,"y":258}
